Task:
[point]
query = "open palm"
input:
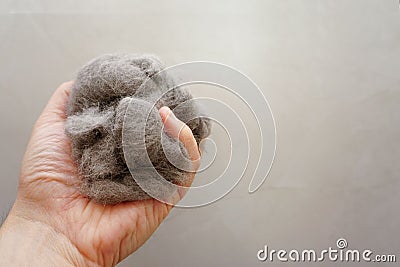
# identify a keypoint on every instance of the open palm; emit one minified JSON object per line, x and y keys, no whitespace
{"x":102,"y":235}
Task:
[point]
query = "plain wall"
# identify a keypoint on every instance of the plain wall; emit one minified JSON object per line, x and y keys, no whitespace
{"x":329,"y":69}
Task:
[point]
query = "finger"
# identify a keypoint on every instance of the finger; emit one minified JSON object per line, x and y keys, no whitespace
{"x":55,"y":109}
{"x":178,"y":129}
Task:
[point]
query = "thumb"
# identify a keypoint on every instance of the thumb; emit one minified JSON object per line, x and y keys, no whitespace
{"x":55,"y":108}
{"x":178,"y":129}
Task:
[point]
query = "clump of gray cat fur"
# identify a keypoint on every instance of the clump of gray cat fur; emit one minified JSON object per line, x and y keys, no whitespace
{"x":102,"y":91}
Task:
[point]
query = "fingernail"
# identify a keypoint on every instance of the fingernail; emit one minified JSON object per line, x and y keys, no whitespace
{"x":172,"y":115}
{"x":167,"y":109}
{"x":165,"y":112}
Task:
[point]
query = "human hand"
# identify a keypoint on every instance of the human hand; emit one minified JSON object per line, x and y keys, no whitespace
{"x":52,"y":223}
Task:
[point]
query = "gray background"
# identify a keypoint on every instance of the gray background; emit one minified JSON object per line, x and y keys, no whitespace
{"x":330,"y":70}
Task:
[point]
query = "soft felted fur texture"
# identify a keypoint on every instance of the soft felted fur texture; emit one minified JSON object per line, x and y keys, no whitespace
{"x":98,"y":103}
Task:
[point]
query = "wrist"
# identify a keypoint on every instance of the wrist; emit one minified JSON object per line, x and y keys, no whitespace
{"x":25,"y":242}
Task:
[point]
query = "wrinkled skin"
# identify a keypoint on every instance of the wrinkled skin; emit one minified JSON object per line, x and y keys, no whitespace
{"x":76,"y":230}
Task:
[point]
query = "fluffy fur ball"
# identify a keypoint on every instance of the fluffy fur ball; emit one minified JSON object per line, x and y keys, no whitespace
{"x":98,"y":103}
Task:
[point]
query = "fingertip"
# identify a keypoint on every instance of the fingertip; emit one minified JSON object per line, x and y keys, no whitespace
{"x":164,"y":112}
{"x":65,"y":88}
{"x":178,"y":129}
